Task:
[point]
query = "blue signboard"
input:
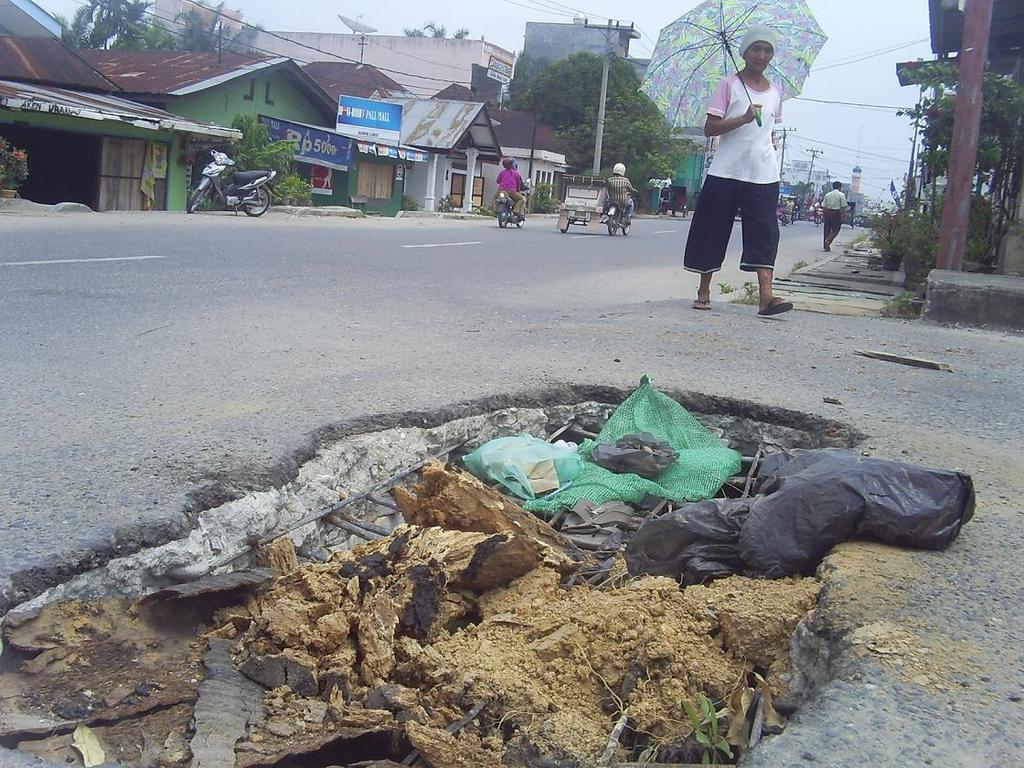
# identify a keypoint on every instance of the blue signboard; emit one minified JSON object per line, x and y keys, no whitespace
{"x":315,"y":145}
{"x":369,"y":120}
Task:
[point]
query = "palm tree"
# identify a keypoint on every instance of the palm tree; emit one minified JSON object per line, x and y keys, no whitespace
{"x":202,"y":33}
{"x":437,"y":31}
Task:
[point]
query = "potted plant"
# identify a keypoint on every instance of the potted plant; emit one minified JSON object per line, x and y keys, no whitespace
{"x":13,"y":168}
{"x":884,"y":238}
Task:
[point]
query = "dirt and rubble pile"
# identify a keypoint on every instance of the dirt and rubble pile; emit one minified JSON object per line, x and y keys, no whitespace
{"x":464,"y":643}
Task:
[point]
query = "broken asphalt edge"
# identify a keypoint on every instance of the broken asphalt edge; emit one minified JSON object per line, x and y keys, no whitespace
{"x":223,"y":487}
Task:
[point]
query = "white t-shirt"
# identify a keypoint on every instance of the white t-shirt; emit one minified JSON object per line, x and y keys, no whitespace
{"x":835,"y":200}
{"x":746,"y":153}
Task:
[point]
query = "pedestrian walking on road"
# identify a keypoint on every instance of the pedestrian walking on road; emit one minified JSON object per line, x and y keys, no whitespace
{"x":835,"y":205}
{"x":744,"y":176}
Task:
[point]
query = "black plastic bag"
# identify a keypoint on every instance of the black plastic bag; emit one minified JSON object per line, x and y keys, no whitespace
{"x":695,"y":543}
{"x":806,"y":506}
{"x":817,"y":499}
{"x":640,"y":453}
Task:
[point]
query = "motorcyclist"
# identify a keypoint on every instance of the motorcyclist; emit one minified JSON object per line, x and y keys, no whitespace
{"x":510,"y":182}
{"x":620,"y":190}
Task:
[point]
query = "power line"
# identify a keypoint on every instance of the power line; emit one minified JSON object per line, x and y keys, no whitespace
{"x":850,"y":150}
{"x":561,"y":14}
{"x":880,"y":107}
{"x":856,"y":58}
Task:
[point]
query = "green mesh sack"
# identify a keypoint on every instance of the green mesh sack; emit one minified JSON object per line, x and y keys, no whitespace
{"x":703,"y":467}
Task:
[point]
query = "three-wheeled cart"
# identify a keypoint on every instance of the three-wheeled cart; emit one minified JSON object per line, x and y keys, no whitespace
{"x":583,"y":203}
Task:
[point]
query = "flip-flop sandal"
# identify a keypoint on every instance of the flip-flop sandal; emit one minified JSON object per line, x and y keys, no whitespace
{"x":702,"y":305}
{"x":776,"y":307}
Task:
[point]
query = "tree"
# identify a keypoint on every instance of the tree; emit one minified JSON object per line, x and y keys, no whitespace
{"x":437,"y":31}
{"x":255,"y":150}
{"x":565,"y":95}
{"x":106,"y":24}
{"x":999,"y":167}
{"x":206,"y":32}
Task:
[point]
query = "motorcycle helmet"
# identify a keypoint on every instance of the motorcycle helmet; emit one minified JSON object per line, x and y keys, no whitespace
{"x":618,"y":169}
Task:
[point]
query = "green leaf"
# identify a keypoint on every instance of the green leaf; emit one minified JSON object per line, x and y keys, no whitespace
{"x":703,"y":739}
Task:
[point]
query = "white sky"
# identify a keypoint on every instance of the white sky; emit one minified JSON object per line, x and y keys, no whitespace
{"x":856,"y":30}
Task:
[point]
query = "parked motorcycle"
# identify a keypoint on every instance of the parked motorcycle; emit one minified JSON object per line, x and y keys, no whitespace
{"x":616,"y":219}
{"x":247,"y":191}
{"x":505,"y":211}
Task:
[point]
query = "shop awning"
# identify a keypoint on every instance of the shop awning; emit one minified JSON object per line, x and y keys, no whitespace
{"x":31,"y":98}
{"x":314,"y":144}
{"x":406,"y":154}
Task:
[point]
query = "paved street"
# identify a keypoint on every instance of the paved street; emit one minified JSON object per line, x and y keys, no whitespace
{"x":216,"y":345}
{"x":150,"y":354}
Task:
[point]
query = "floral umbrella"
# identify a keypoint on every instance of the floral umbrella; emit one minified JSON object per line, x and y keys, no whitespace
{"x":695,"y":52}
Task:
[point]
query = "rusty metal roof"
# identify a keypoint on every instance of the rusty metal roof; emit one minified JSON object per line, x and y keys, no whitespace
{"x":438,"y":125}
{"x":171,"y":73}
{"x":46,"y":60}
{"x":342,"y":78}
{"x":38,"y":99}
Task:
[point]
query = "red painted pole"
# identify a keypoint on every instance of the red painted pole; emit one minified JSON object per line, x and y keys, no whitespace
{"x":963,"y":154}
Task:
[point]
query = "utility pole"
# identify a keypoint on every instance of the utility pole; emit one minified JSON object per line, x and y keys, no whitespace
{"x":609,"y":28}
{"x":963,"y":154}
{"x":814,"y":156}
{"x":782,"y":163}
{"x":220,"y":42}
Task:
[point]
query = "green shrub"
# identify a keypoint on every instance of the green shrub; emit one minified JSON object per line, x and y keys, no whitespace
{"x":408,"y":204}
{"x":13,"y":165}
{"x":293,"y":190}
{"x":543,"y":199}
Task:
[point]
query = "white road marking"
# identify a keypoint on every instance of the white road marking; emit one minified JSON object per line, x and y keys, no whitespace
{"x":580,"y":237}
{"x":444,"y":245}
{"x":666,"y":231}
{"x":77,"y":261}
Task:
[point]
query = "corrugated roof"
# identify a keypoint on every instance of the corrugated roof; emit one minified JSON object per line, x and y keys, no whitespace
{"x":45,"y":60}
{"x":170,"y":72}
{"x":434,"y":124}
{"x":340,"y":78}
{"x":1007,"y":36}
{"x":33,"y":98}
{"x":25,"y":18}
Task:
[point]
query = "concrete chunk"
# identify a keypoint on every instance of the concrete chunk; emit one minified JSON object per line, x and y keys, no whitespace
{"x":993,"y":301}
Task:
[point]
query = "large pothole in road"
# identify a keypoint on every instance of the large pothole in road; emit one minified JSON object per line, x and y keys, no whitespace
{"x":291,"y":629}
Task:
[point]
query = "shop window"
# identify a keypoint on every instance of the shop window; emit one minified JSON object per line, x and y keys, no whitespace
{"x":376,"y":181}
{"x":266,"y":95}
{"x":251,"y":95}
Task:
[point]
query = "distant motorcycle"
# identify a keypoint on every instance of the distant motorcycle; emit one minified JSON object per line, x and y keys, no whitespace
{"x":247,"y":191}
{"x":506,"y":212}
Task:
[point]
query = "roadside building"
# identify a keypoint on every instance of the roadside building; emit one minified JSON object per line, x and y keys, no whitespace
{"x":459,"y":137}
{"x":343,"y":78}
{"x":419,"y":64}
{"x":84,"y":144}
{"x":534,"y":145}
{"x":277,"y":91}
{"x":553,"y":41}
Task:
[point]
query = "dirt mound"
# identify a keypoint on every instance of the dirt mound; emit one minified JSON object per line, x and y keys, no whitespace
{"x":468,"y":646}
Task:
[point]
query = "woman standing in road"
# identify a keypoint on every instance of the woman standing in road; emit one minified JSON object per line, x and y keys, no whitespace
{"x":744,"y":176}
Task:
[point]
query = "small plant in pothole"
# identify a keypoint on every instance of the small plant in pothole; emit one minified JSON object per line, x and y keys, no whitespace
{"x":725,"y":289}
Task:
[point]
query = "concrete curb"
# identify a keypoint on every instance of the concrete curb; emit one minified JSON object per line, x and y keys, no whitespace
{"x":332,"y":211}
{"x":453,"y":216}
{"x":978,"y":300}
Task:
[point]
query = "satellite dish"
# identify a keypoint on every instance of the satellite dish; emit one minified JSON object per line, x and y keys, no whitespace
{"x":356,"y":26}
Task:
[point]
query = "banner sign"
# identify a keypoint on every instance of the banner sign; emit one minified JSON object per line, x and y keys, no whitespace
{"x":406,"y":154}
{"x":500,"y":70}
{"x":315,"y":146}
{"x":321,"y":179}
{"x":369,"y":120}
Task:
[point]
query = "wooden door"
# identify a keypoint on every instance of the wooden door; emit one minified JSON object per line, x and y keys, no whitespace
{"x":121,"y":162}
{"x":458,"y":193}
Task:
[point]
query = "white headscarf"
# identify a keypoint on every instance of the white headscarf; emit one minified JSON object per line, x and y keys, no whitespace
{"x":759,"y":33}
